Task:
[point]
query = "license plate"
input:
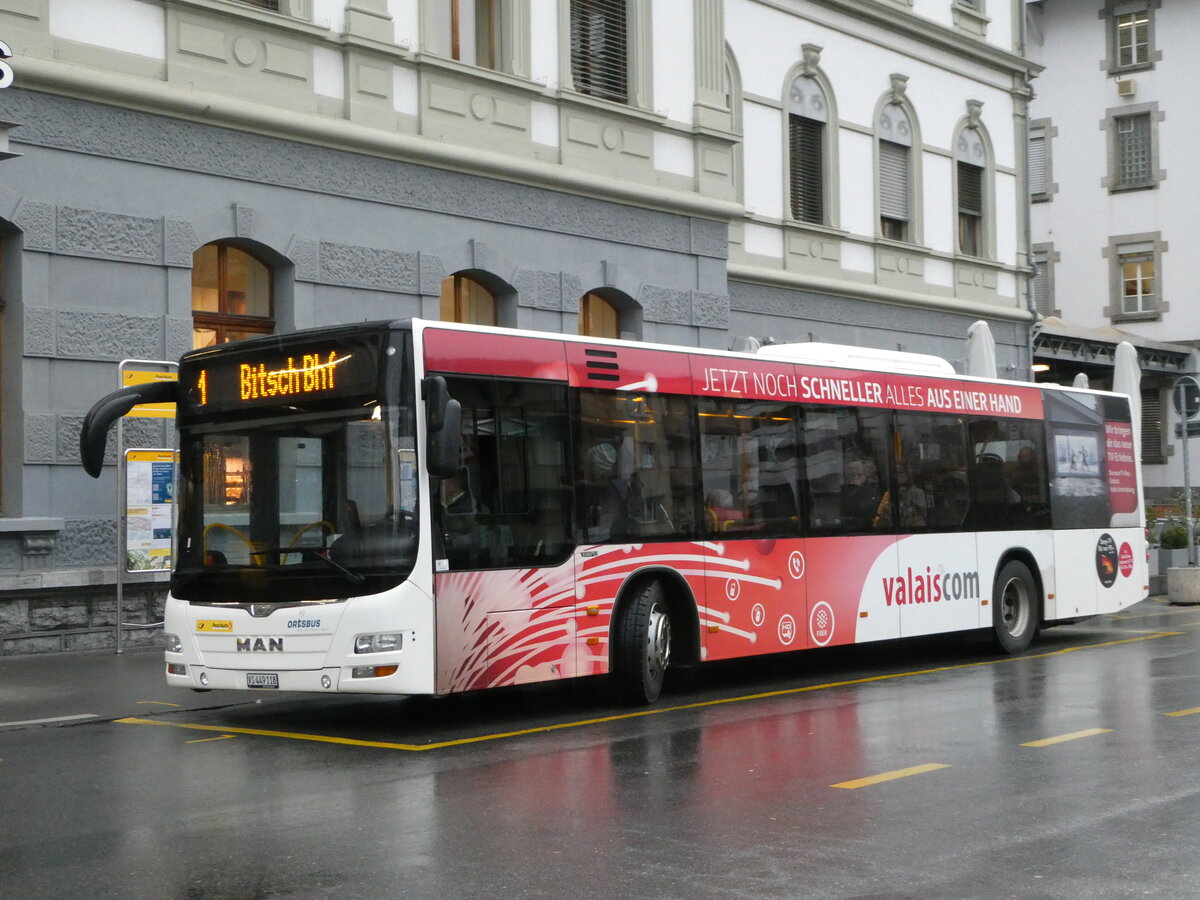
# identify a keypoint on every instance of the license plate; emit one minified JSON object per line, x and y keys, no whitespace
{"x":262,"y":680}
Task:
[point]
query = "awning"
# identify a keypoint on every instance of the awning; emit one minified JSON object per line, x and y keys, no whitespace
{"x":1071,"y":348}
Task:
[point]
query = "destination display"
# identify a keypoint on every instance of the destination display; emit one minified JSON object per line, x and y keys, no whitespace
{"x":277,"y":373}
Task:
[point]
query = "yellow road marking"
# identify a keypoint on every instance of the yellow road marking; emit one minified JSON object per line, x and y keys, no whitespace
{"x":1184,"y":712}
{"x":890,"y":776}
{"x":1063,"y":738}
{"x":224,"y":737}
{"x":541,"y":729}
{"x":156,"y":703}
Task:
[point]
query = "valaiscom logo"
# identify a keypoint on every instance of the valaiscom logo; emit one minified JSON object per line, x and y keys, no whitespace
{"x":930,"y":587}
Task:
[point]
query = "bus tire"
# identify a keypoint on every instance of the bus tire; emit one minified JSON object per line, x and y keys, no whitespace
{"x":1015,"y":607}
{"x":641,"y":645}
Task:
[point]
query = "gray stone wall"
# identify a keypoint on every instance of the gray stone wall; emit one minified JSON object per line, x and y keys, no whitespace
{"x":79,"y":619}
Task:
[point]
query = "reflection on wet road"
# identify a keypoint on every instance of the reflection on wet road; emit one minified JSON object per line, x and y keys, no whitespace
{"x":927,"y":768}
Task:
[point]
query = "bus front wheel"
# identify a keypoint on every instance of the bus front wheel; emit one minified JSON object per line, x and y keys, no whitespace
{"x":1014,"y":607}
{"x":641,"y":645}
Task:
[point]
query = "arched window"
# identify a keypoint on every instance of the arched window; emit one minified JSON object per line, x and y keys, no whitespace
{"x":895,"y":151}
{"x":808,"y":116}
{"x":231,"y":296}
{"x":466,"y":300}
{"x":970,"y":157}
{"x":598,"y":317}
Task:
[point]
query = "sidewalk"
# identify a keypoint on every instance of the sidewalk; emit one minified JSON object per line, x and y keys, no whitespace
{"x":68,"y":688}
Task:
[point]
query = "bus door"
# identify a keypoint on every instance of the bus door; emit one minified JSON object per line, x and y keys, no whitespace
{"x":506,"y":592}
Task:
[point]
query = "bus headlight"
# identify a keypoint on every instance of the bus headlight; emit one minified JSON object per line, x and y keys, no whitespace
{"x":174,"y":644}
{"x":377,"y":643}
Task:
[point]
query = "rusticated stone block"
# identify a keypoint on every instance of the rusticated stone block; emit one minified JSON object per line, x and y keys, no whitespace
{"x":104,"y":612}
{"x":93,"y":232}
{"x":142,"y":637}
{"x":36,"y":221}
{"x":710,"y":310}
{"x":40,"y":438}
{"x":52,"y":616}
{"x":305,"y":254}
{"x":660,"y":304}
{"x":92,"y":640}
{"x":39,"y":331}
{"x":14,"y":616}
{"x":87,"y":542}
{"x":179,"y":243}
{"x":10,"y":552}
{"x":30,"y":645}
{"x":384,"y":270}
{"x":96,"y":335}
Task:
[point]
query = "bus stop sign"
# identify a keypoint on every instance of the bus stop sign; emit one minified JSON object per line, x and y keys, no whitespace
{"x":1186,"y":397}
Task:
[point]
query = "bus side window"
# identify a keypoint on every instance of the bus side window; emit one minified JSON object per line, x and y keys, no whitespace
{"x":932,"y":458}
{"x":637,"y":478}
{"x":750,"y":471}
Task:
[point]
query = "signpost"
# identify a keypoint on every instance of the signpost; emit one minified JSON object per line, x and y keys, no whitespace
{"x":145,"y":488}
{"x":1186,"y":396}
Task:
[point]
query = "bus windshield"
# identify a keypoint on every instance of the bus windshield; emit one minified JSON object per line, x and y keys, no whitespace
{"x":301,"y":498}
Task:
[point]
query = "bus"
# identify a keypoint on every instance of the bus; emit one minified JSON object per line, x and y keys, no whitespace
{"x":418,"y":507}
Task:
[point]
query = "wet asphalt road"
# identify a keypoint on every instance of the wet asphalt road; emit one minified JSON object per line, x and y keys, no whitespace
{"x":921,"y":769}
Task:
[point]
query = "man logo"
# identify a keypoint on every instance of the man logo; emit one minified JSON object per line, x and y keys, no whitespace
{"x":256,"y":645}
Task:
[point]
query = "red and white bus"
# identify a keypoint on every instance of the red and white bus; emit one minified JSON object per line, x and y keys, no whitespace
{"x":421,"y":508}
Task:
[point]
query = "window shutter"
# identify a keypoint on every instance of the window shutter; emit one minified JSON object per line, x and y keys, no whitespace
{"x":970,"y":189}
{"x":893,"y":180}
{"x":1041,"y":284}
{"x":1037,"y":161}
{"x":1152,"y":444}
{"x":599,"y":48}
{"x":806,"y":168}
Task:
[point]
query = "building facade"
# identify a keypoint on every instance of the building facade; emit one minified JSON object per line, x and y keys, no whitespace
{"x":1113,"y":202}
{"x":697,"y":172}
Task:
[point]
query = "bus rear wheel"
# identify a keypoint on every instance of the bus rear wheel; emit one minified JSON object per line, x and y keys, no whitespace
{"x":641,"y":645}
{"x":1014,"y":607}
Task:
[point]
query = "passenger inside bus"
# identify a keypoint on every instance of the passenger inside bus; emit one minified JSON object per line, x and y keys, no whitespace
{"x":719,"y":511}
{"x":612,"y":501}
{"x":463,"y":537}
{"x":861,"y":496}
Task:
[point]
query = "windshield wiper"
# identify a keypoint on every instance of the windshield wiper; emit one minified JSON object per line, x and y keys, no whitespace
{"x":355,"y":578}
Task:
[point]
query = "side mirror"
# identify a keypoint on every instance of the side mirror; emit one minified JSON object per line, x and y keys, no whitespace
{"x":444,"y":449}
{"x":436,"y":396}
{"x":94,"y":434}
{"x":443,"y":422}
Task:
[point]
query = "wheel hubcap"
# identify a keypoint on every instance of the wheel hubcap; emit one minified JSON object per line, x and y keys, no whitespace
{"x":1014,"y":607}
{"x":658,"y":641}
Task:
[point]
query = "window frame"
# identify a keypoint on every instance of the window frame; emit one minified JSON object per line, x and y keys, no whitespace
{"x":1112,"y":13}
{"x":1113,"y":180}
{"x":638,"y":59}
{"x":827,"y":141}
{"x":222,"y":321}
{"x":1119,"y":249}
{"x":911,"y":231}
{"x":460,"y":300}
{"x":509,"y":34}
{"x":973,"y":153}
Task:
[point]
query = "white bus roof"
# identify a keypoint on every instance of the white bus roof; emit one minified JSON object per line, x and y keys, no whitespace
{"x":899,"y":361}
